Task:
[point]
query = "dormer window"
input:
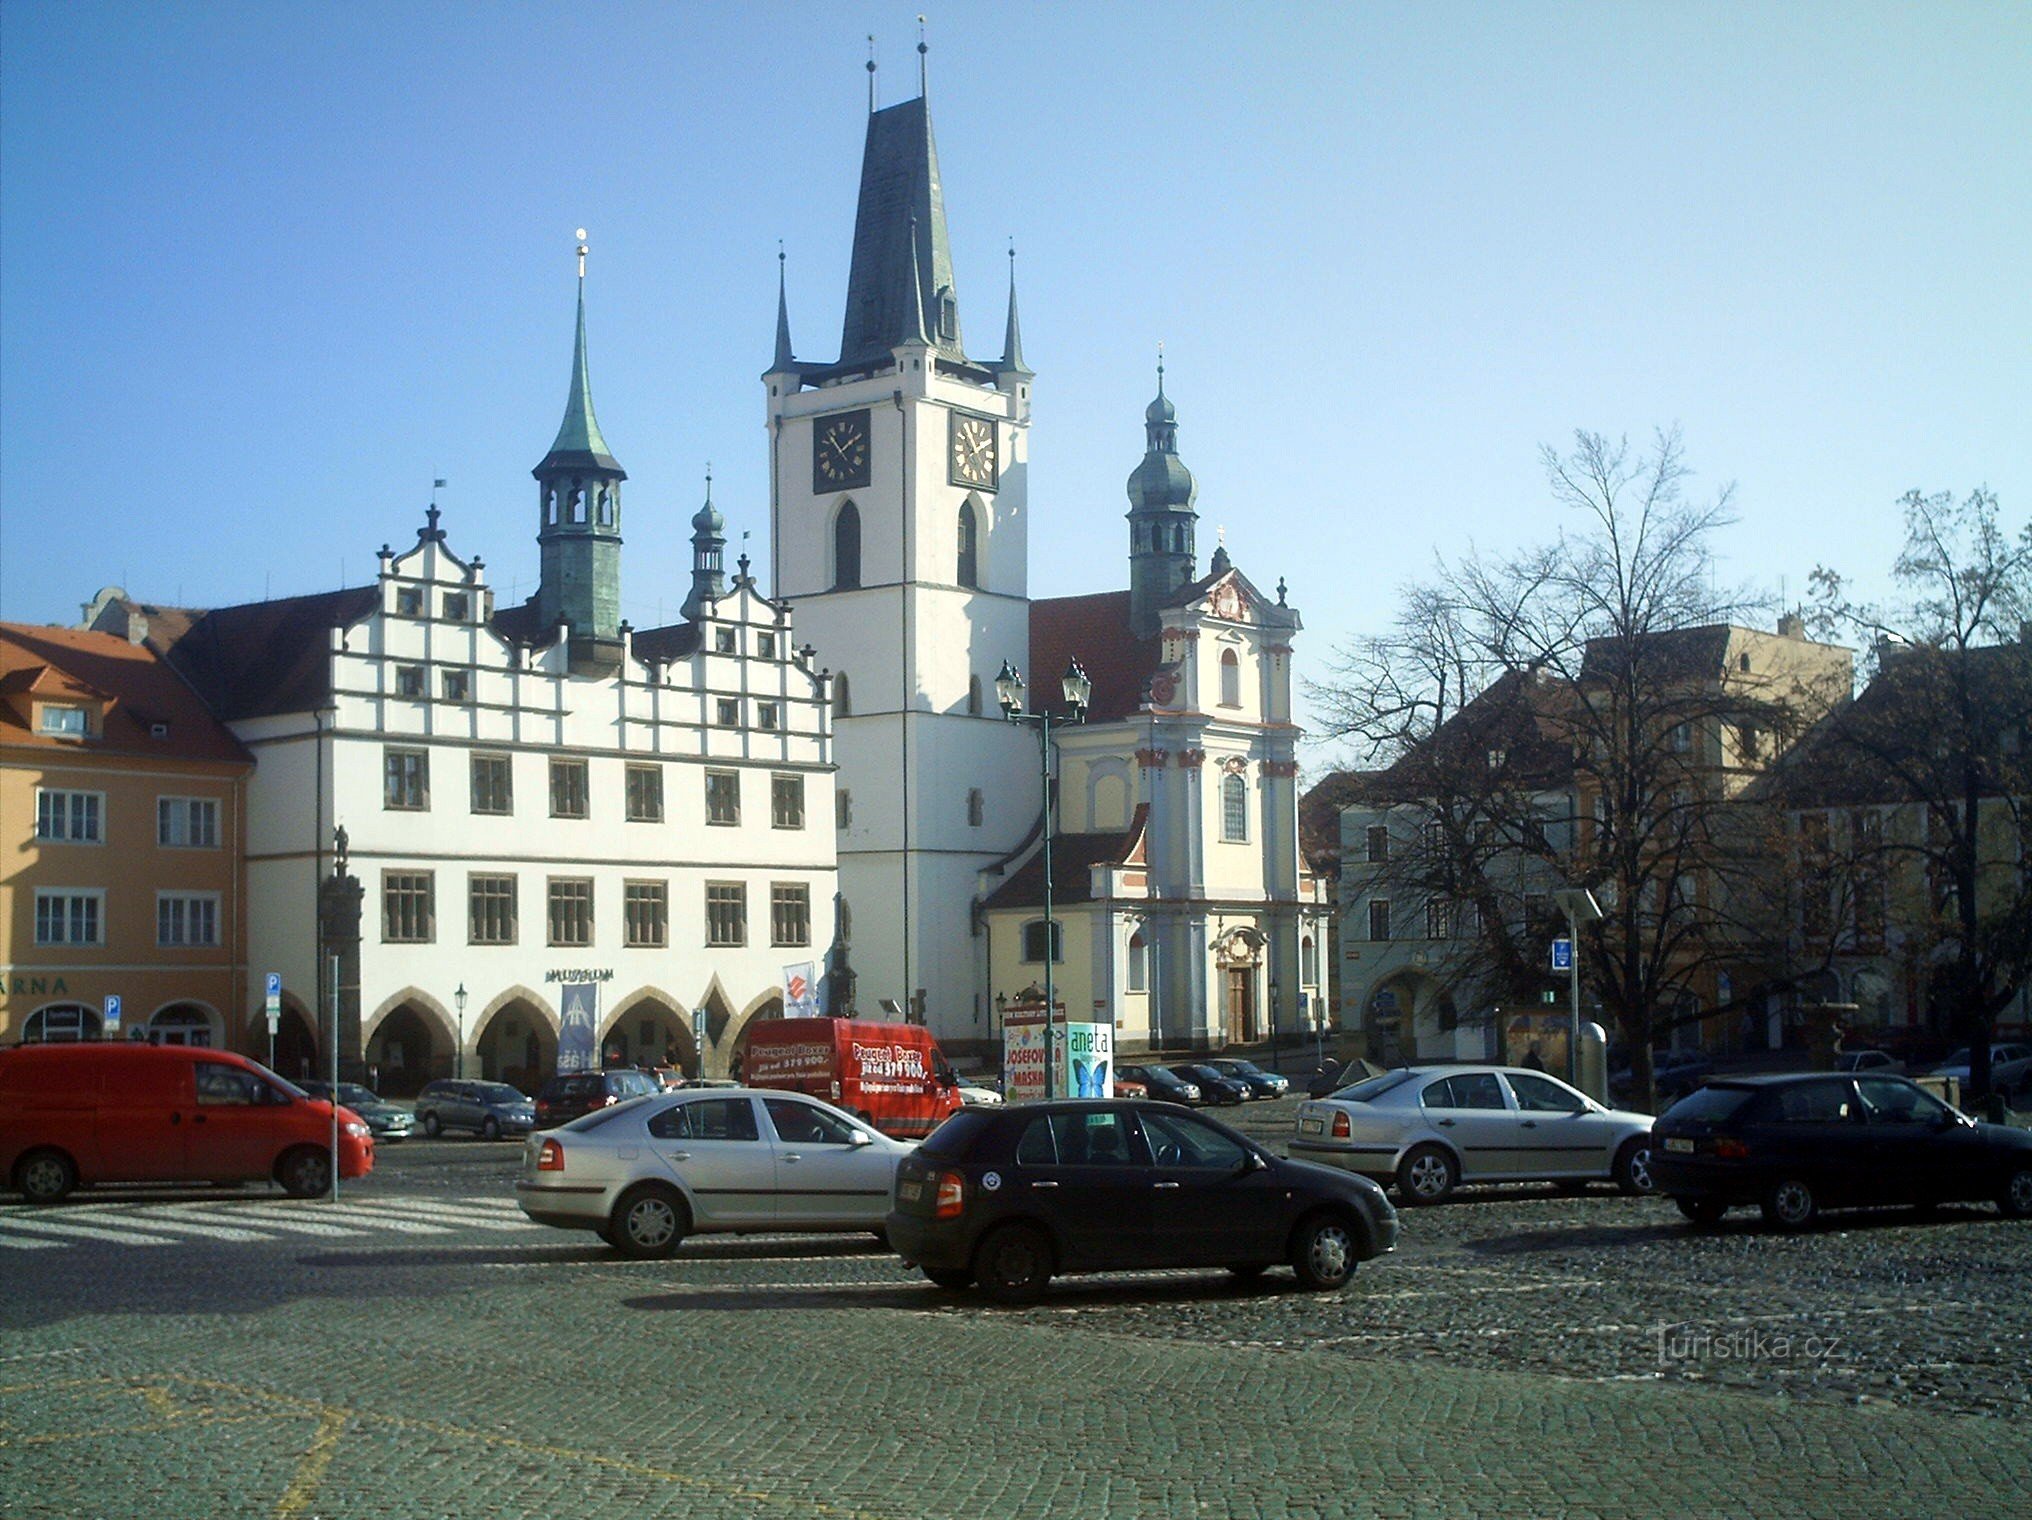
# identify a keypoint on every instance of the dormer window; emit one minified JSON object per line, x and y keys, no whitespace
{"x":948,"y":315}
{"x":64,"y":719}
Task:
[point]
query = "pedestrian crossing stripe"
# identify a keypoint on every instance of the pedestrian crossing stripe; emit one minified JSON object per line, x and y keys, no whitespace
{"x":178,"y":1223}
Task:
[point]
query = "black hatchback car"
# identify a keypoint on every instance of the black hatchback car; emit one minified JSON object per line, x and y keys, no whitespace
{"x":1794,"y":1145}
{"x":572,"y":1095}
{"x":1008,"y":1198}
{"x":1214,"y":1086}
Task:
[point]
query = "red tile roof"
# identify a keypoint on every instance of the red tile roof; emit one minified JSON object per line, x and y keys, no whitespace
{"x":1095,"y":631}
{"x":141,"y":692}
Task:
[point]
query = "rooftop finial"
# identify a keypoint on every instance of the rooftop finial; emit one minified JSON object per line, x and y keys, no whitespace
{"x":581,"y":236}
{"x":709,"y":480}
{"x":923,"y":76}
{"x":871,"y":73}
{"x":1160,"y":366}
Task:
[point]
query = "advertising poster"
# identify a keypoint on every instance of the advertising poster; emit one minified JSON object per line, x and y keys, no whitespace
{"x":1023,"y":1056}
{"x":800,"y":991}
{"x":1089,"y":1061}
{"x":578,"y":1036}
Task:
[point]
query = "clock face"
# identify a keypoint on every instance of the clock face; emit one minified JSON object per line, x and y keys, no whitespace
{"x":839,"y":452}
{"x":973,"y":451}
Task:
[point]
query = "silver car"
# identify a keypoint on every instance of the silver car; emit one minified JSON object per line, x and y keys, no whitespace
{"x":1428,"y":1129}
{"x":648,"y":1172}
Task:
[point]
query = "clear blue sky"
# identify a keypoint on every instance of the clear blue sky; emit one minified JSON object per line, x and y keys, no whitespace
{"x":268,"y":269}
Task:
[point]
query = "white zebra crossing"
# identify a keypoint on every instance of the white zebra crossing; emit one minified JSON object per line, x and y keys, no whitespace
{"x":256,"y":1221}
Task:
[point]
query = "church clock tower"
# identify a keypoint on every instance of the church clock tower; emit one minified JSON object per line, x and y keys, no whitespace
{"x":899,"y":532}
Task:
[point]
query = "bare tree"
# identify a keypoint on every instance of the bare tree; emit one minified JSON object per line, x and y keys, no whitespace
{"x":1594,"y":670}
{"x":1942,"y":735}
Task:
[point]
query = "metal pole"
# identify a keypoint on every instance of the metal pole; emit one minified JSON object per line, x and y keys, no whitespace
{"x":1050,"y":945}
{"x":1573,"y":1007}
{"x":335,"y":1079}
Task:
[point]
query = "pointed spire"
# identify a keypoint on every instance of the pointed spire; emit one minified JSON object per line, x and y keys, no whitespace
{"x":579,"y":434}
{"x":901,"y":279}
{"x":785,"y":361}
{"x":1012,"y":337}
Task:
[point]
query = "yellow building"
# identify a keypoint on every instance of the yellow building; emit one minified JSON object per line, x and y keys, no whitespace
{"x":121,"y":849}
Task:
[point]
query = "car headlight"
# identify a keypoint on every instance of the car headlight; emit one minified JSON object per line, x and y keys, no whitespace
{"x":355,"y":1127}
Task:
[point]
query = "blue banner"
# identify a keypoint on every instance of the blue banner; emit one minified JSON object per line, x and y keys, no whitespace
{"x":578,"y":1038}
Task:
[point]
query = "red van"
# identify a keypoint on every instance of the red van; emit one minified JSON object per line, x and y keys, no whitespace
{"x":73,"y":1115}
{"x":892,"y":1075}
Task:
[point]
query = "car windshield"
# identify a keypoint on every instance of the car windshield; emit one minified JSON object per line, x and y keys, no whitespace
{"x":1373,"y":1087}
{"x":353,"y":1092}
{"x":607,"y":1115}
{"x":1710,"y":1105}
{"x":498,"y":1092}
{"x":1246,"y":1068}
{"x":956,"y":1138}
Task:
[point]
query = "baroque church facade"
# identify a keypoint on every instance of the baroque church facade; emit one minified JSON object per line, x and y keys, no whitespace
{"x":1181,"y":909}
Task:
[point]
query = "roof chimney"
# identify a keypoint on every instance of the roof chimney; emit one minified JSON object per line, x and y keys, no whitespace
{"x":1791,"y":626}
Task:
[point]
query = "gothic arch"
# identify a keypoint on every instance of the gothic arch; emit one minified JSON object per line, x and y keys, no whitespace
{"x":515,"y":994}
{"x":846,"y":547}
{"x":673,"y":1033}
{"x":427,"y":1007}
{"x":767,"y":1005}
{"x":177,"y":1020}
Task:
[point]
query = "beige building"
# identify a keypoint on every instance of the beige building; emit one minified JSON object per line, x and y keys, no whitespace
{"x":121,"y":832}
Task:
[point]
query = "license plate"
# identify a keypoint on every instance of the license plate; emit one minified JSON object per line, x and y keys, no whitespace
{"x":1311,"y":1126}
{"x":910,"y":1192}
{"x":1679,"y":1146}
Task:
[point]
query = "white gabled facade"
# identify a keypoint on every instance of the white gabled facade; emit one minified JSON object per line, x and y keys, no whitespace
{"x":697,"y":768}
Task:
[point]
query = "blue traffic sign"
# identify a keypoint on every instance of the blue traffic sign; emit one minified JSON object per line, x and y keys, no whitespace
{"x":275,"y":984}
{"x":1562,"y":954}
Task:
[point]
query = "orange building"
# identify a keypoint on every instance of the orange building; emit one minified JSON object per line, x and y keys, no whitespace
{"x":122,"y":842}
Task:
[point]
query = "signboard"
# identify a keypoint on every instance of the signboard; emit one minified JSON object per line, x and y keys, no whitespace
{"x":1023,"y":1055}
{"x":274,"y":1001}
{"x":112,"y":1013}
{"x":1089,"y":1061}
{"x":1562,"y":954}
{"x":800,"y":991}
{"x":578,"y":1034}
{"x":1082,"y":1057}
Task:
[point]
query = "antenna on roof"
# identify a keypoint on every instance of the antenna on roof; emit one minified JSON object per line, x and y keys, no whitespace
{"x":871,"y":73}
{"x":923,"y":78}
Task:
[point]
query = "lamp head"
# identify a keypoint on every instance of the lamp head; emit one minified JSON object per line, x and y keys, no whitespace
{"x":1009,"y":690}
{"x":1077,"y":688}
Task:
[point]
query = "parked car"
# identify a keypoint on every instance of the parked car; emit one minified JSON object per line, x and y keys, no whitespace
{"x":667,"y":1078}
{"x":1010,"y":1198}
{"x":1427,"y":1129}
{"x":1261,"y":1083}
{"x":1794,"y":1145}
{"x":1158,"y":1082}
{"x":2010,"y":1066}
{"x":75,"y":1115}
{"x":387,"y":1121}
{"x":1127,"y":1087}
{"x":1882,"y":1062}
{"x":1674,"y":1073}
{"x":489,"y":1109}
{"x":569,"y":1094}
{"x":649,"y":1172}
{"x":1214,"y":1086}
{"x":980,"y":1090}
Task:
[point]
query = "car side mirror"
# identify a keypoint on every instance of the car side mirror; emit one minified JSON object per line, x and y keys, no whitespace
{"x":1253,"y":1162}
{"x":861,"y":1137}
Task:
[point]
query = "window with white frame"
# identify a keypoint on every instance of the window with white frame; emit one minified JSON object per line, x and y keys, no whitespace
{"x":65,"y":719}
{"x":68,"y":916}
{"x":726,"y":913}
{"x":786,"y":802}
{"x":571,"y":910}
{"x":405,"y":777}
{"x":69,"y":817}
{"x":187,"y":823}
{"x":493,"y":784}
{"x":409,"y":601}
{"x":567,"y":788}
{"x":645,"y":914}
{"x":408,"y":912}
{"x":645,"y":794}
{"x":789,"y":913}
{"x":1234,"y":807}
{"x":723,"y":797}
{"x":186,"y":918}
{"x":490,"y":909}
{"x":1308,"y":962}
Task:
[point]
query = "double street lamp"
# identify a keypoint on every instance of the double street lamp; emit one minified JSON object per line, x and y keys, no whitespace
{"x":1077,"y":691}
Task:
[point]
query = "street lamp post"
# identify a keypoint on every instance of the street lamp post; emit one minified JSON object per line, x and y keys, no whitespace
{"x":459,"y":1001}
{"x":1077,"y":691}
{"x":1580,"y":907}
{"x":1273,"y":1023}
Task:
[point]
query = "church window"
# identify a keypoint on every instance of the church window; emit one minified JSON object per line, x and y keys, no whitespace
{"x":1235,"y":808}
{"x":847,"y":548}
{"x":842,"y":706}
{"x":977,"y":808}
{"x":1308,"y":963}
{"x":973,"y":696}
{"x":1231,"y":679}
{"x":606,"y":506}
{"x":1037,"y":935}
{"x":969,"y":566}
{"x":578,"y":504}
{"x":1139,"y":963}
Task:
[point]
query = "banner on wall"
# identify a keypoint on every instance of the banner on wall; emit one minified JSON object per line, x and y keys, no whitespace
{"x":578,"y":1032}
{"x":800,"y":991}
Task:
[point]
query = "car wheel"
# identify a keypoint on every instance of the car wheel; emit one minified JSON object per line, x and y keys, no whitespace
{"x":305,"y":1172}
{"x":45,"y":1176}
{"x":1701,"y":1210}
{"x":951,"y":1278}
{"x":1427,"y":1175}
{"x":490,"y":1128}
{"x":1633,"y":1167}
{"x":1013,"y":1264}
{"x":648,"y":1222}
{"x":2016,"y":1198}
{"x":1323,"y":1253}
{"x":1790,"y":1205}
{"x":432,"y":1125}
{"x":1248,"y":1271}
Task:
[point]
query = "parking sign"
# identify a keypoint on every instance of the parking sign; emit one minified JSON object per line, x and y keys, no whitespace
{"x":1562,"y":954}
{"x":112,"y":1013}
